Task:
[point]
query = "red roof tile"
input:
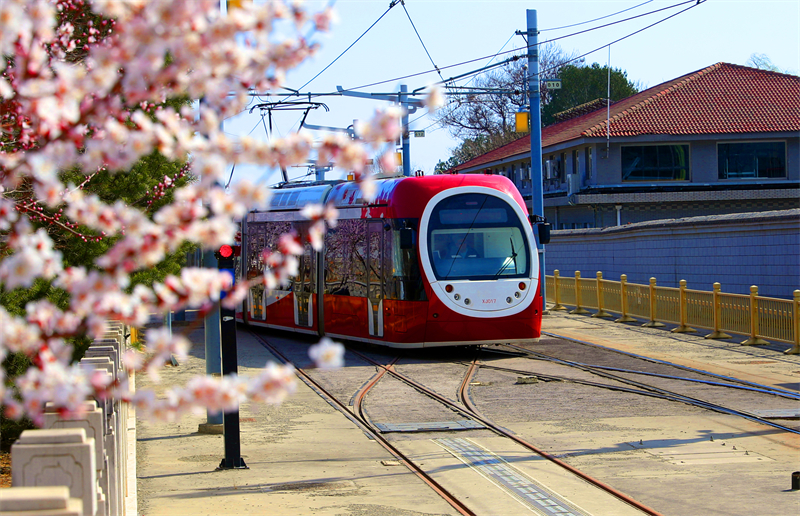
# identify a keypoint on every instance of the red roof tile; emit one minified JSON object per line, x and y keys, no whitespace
{"x":721,"y":99}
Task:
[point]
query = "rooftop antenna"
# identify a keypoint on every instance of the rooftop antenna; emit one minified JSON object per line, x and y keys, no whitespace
{"x":608,"y":104}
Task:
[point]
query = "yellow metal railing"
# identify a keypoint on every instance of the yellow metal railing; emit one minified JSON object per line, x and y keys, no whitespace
{"x":759,"y":318}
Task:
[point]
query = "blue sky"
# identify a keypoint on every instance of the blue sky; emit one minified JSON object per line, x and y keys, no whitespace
{"x":457,"y":31}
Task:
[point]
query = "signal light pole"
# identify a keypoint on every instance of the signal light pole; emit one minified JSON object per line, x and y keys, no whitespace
{"x":230,"y":365}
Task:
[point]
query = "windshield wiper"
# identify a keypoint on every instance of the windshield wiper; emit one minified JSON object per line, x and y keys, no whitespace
{"x":508,"y":260}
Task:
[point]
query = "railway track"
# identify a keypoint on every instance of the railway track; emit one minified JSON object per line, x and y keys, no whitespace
{"x":646,"y":389}
{"x":468,"y":409}
{"x":353,"y":402}
{"x":463,"y":406}
{"x":359,"y":419}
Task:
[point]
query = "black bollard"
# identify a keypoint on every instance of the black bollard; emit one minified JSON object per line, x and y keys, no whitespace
{"x":796,"y":481}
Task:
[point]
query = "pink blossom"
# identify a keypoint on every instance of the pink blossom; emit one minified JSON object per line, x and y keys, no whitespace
{"x":384,"y":126}
{"x":290,"y":244}
{"x":434,"y":99}
{"x":132,"y":360}
{"x":327,"y":354}
{"x":316,"y":235}
{"x":273,"y":384}
{"x":388,"y":161}
{"x":99,"y":114}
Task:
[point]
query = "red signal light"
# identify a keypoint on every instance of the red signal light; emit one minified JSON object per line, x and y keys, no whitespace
{"x":226,"y":251}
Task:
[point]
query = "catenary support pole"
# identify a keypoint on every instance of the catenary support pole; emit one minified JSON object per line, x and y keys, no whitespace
{"x":537,"y":194}
{"x":406,"y":136}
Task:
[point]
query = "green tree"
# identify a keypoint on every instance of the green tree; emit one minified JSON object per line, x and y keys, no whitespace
{"x":148,"y":184}
{"x":582,"y":84}
{"x":473,"y":147}
{"x":482,"y":113}
{"x":483,"y":110}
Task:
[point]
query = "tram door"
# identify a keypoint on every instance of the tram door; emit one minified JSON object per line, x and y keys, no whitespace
{"x":375,"y":286}
{"x":303,"y":287}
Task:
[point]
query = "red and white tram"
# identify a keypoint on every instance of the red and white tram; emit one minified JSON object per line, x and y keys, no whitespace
{"x":444,"y":260}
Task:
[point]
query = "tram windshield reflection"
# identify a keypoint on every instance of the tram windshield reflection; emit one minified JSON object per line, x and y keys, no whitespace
{"x":477,"y":236}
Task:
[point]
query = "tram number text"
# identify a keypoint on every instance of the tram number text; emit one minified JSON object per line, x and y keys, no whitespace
{"x":489,"y":301}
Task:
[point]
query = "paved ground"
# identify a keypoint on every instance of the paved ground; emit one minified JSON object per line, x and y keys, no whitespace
{"x":307,"y":458}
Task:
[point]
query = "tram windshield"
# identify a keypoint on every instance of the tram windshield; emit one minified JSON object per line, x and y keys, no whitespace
{"x":477,"y":236}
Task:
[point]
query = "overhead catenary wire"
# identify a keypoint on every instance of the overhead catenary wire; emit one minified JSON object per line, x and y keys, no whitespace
{"x":596,"y":19}
{"x":694,"y":2}
{"x":497,"y":54}
{"x":542,"y":72}
{"x":467,"y":83}
{"x":403,"y":3}
{"x":556,"y":67}
{"x":392,"y":4}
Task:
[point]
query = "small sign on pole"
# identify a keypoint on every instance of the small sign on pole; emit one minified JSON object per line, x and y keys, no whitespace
{"x":552,"y":84}
{"x":419,"y":134}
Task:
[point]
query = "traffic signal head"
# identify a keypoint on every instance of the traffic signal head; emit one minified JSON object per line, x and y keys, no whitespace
{"x":228,"y":251}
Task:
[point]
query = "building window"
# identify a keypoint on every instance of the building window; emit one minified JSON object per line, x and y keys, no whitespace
{"x":562,"y":168}
{"x":588,"y":163}
{"x":576,"y":162}
{"x":655,"y":163}
{"x":751,"y":160}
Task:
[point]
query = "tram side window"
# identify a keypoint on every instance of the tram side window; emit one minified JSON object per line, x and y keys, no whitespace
{"x":402,"y":273}
{"x":358,"y":262}
{"x":306,"y":279}
{"x":345,"y":259}
{"x":260,"y":237}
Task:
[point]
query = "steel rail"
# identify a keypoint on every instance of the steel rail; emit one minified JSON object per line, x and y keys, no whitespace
{"x":308,"y":380}
{"x":463,"y":390}
{"x":677,"y":366}
{"x":675,"y":396}
{"x":551,"y":378}
{"x":505,"y":433}
{"x":358,"y":398}
{"x":742,"y":384}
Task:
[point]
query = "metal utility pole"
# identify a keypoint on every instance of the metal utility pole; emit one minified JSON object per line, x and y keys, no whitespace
{"x":405,"y":136}
{"x":537,"y":193}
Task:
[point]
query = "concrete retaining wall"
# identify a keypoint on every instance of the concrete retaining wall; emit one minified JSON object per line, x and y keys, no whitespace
{"x":737,"y":250}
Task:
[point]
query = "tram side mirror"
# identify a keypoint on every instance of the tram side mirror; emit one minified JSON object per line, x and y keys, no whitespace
{"x":542,"y":228}
{"x":406,"y":238}
{"x":544,"y":232}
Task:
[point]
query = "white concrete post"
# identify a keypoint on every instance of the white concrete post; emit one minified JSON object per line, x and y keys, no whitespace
{"x":60,"y":457}
{"x":29,"y":501}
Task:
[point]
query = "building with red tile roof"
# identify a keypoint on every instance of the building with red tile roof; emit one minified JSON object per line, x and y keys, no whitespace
{"x":724,"y":139}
